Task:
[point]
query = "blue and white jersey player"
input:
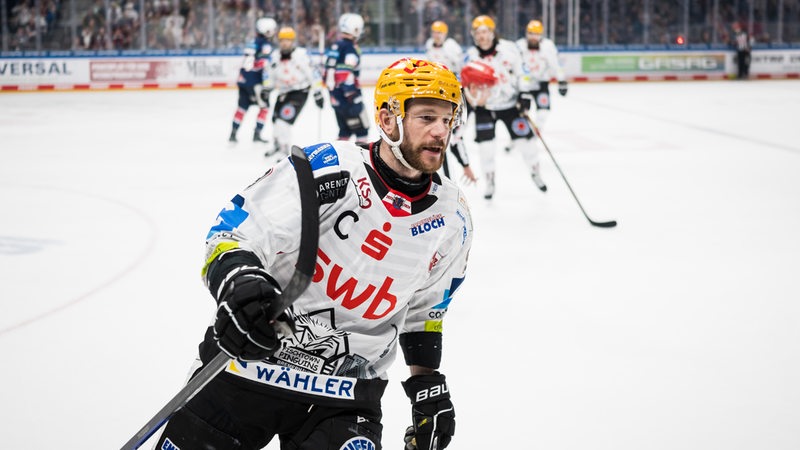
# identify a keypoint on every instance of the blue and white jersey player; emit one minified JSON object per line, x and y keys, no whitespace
{"x":342,"y":77}
{"x":251,"y":79}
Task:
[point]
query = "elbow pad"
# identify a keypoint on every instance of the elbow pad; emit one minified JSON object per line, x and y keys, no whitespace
{"x":422,"y":348}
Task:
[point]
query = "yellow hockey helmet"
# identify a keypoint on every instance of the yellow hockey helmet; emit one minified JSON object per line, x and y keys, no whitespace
{"x":535,"y":27}
{"x":287,"y":33}
{"x":483,"y":21}
{"x":439,"y":26}
{"x":409,"y":78}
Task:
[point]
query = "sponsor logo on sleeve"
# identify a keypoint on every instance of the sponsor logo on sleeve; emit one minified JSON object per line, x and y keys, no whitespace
{"x":364,"y":189}
{"x":433,"y":325}
{"x":332,"y":187}
{"x":448,"y":293}
{"x":230,"y":219}
{"x":321,"y":156}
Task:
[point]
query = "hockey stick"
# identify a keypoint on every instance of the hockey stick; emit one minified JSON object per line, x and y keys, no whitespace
{"x":321,"y":48}
{"x":608,"y":224}
{"x":301,"y":278}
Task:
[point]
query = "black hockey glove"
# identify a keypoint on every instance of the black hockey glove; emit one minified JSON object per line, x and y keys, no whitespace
{"x":524,"y":101}
{"x":264,"y":95}
{"x":431,"y":411}
{"x":318,"y":99}
{"x":242,"y":328}
{"x":562,"y":88}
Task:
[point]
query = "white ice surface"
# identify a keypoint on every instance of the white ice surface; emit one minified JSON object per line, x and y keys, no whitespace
{"x":679,"y":329}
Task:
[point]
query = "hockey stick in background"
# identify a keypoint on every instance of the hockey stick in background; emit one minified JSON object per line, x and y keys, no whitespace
{"x":321,"y":48}
{"x":608,"y":224}
{"x":301,"y":278}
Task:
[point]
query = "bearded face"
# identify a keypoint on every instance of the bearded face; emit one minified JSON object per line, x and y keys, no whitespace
{"x":426,"y":133}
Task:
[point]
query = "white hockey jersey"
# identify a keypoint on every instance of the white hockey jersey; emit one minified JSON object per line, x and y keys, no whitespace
{"x":542,"y":63}
{"x":293,"y":73}
{"x":387,"y":264}
{"x":450,"y":54}
{"x":507,"y":63}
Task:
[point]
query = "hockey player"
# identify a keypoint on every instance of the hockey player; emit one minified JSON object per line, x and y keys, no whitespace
{"x":444,"y":50}
{"x":500,"y":102}
{"x":291,"y":76}
{"x":540,"y":58}
{"x":251,"y":78}
{"x":342,"y":71}
{"x":393,"y":246}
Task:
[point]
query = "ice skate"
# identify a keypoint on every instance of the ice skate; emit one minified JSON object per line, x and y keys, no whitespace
{"x":489,"y":192}
{"x":232,"y":137}
{"x":257,"y":137}
{"x":272,"y":150}
{"x":537,"y":178}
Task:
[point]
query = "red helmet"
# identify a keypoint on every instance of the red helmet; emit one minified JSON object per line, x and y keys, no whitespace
{"x":478,"y":73}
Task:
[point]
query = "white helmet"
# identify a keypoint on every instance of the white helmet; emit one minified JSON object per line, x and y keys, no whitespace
{"x":352,"y":24}
{"x":266,"y":26}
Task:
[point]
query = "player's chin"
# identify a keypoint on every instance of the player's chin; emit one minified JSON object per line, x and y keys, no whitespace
{"x":431,"y":158}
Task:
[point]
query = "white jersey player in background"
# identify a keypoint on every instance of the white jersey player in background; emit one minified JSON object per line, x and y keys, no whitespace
{"x":540,"y":57}
{"x":393,"y":249}
{"x":445,"y":50}
{"x":442,"y":49}
{"x":292,"y":76}
{"x":500,"y":102}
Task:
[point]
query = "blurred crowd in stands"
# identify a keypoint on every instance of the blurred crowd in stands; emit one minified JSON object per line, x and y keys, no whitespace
{"x":228,"y":24}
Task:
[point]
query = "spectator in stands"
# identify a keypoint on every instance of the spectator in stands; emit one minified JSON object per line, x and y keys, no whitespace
{"x":88,"y":34}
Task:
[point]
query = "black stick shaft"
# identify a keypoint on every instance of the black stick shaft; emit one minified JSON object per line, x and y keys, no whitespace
{"x":608,"y":224}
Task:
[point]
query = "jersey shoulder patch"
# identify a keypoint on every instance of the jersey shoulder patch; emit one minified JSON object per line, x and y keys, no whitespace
{"x":322,"y":156}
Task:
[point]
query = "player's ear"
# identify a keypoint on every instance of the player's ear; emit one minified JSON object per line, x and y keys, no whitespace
{"x":386,"y":121}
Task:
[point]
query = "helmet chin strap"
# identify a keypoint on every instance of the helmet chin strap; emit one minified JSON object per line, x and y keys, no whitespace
{"x":395,"y":145}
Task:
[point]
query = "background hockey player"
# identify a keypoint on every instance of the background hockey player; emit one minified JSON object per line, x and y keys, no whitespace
{"x":291,"y":75}
{"x":498,"y":101}
{"x":342,"y":71}
{"x":393,"y":247}
{"x":540,"y":58}
{"x":251,"y":78}
{"x":445,"y":50}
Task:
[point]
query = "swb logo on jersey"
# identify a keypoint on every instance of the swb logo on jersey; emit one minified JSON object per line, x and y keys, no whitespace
{"x":350,"y":292}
